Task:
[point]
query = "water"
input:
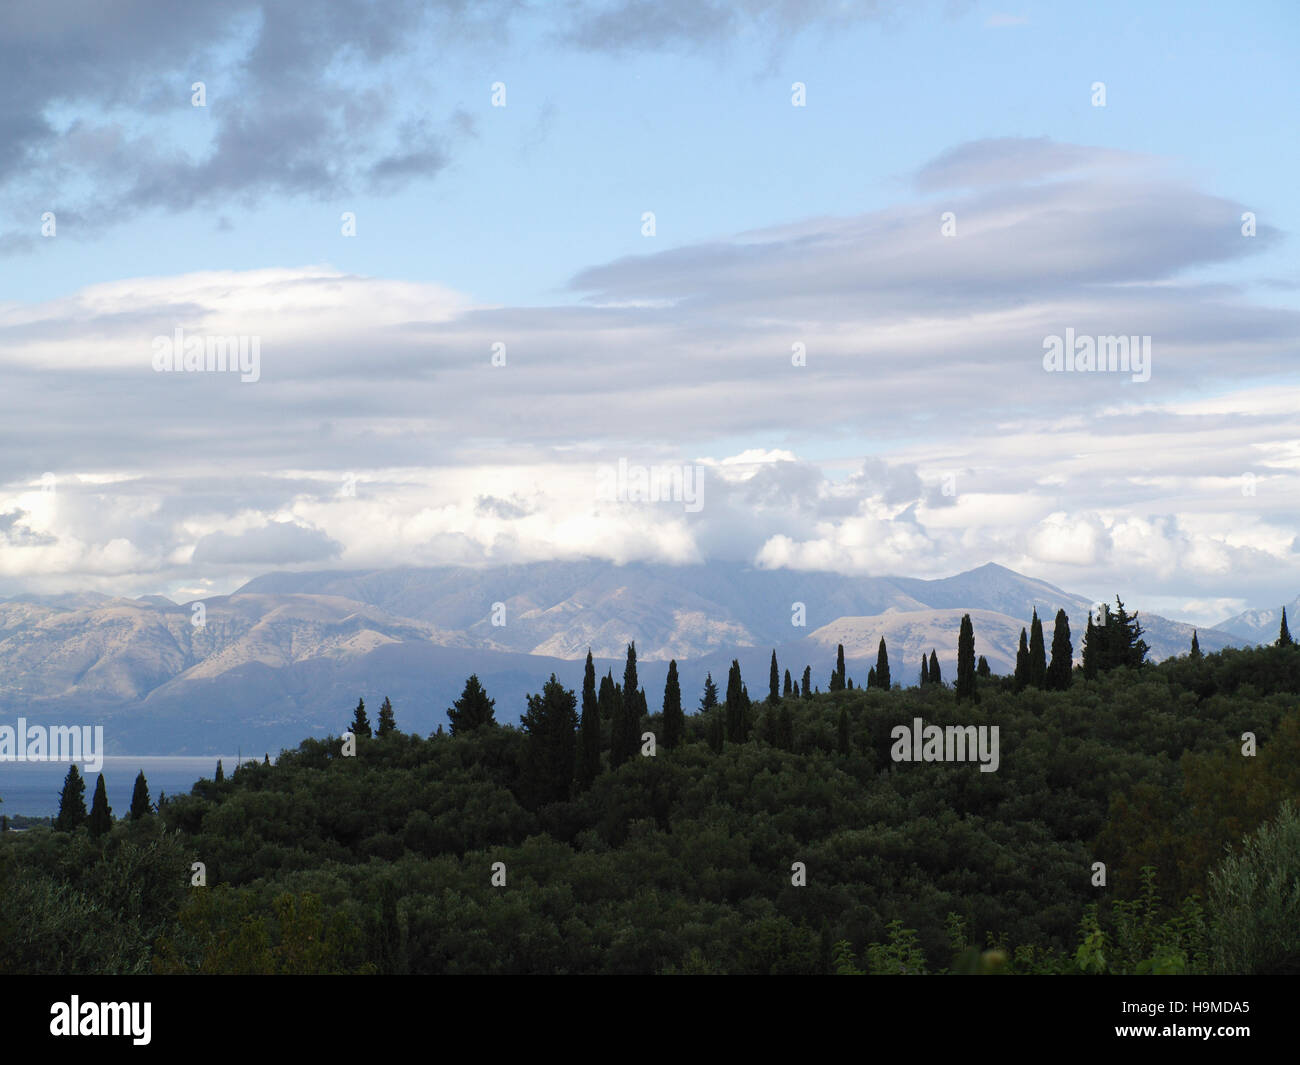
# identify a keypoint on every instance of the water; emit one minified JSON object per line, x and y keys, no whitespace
{"x":32,"y":788}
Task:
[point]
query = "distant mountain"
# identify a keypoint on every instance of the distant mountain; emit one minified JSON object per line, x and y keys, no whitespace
{"x":1262,"y":626}
{"x":288,"y":654}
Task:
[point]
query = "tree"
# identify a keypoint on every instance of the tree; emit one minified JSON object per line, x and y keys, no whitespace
{"x":1284,"y":634}
{"x":1037,"y":653}
{"x":1022,"y":662}
{"x":882,"y":666}
{"x":715,"y":732}
{"x":784,"y":730}
{"x":710,"y":698}
{"x":1062,"y":664}
{"x":218,"y":778}
{"x":589,"y":749}
{"x":612,"y":698}
{"x":101,"y":815}
{"x":360,"y":723}
{"x":966,"y":661}
{"x":806,"y":686}
{"x":737,"y":706}
{"x":1093,"y":636}
{"x":629,"y":670}
{"x":925,"y":670}
{"x":140,"y":799}
{"x":837,"y":678}
{"x":935,"y":676}
{"x":387,"y":722}
{"x":871,"y":677}
{"x":72,"y":801}
{"x":473,"y":710}
{"x":774,"y":681}
{"x":551,"y":722}
{"x":843,"y":744}
{"x":1196,"y":646}
{"x":1127,"y":648}
{"x":982,"y":670}
{"x":674,"y":719}
{"x":788,"y":690}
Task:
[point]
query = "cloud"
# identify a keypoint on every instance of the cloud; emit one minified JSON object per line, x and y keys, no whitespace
{"x":278,"y":543}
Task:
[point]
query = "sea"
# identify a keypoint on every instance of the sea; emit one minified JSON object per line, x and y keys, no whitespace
{"x":32,"y":789}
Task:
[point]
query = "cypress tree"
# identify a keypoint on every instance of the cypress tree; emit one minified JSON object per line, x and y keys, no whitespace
{"x":882,"y":666}
{"x":806,"y":688}
{"x":1022,"y":662}
{"x":925,"y":670}
{"x":966,"y":661}
{"x":72,"y":801}
{"x":589,"y":740}
{"x":140,"y":799}
{"x":473,"y":710}
{"x":715,"y":731}
{"x":785,"y":728}
{"x":360,"y":723}
{"x":736,"y":708}
{"x":101,"y":816}
{"x":1196,"y":646}
{"x":935,"y":676}
{"x":837,"y":677}
{"x":982,"y":670}
{"x":674,"y":719}
{"x":1284,"y":634}
{"x":710,"y":698}
{"x":218,"y":778}
{"x":1127,"y":648}
{"x":1058,"y":673}
{"x":620,"y":730}
{"x":845,"y":747}
{"x":774,"y":681}
{"x":387,"y":721}
{"x":871,"y":677}
{"x":848,"y":684}
{"x":788,"y":690}
{"x":1092,"y":647}
{"x":629,"y":671}
{"x":551,"y":722}
{"x":1037,"y":653}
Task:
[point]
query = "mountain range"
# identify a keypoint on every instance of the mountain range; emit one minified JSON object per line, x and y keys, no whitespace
{"x":288,"y":654}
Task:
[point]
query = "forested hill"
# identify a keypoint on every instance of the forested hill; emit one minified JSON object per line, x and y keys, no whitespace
{"x":777,"y":836}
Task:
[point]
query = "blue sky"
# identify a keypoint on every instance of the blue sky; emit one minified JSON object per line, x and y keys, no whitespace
{"x":775,"y":225}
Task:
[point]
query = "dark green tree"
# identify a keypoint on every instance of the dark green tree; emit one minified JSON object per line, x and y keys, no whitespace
{"x":140,"y":798}
{"x":788,"y":690}
{"x":674,"y":719}
{"x":1127,"y":647}
{"x":982,"y":670}
{"x":1062,"y":664}
{"x":925,"y":670}
{"x":1284,"y":634}
{"x":72,"y":801}
{"x":551,"y":722}
{"x":1196,"y":646}
{"x":774,"y":681}
{"x":1022,"y":662}
{"x":710,"y":698}
{"x":842,"y":734}
{"x":882,"y":666}
{"x":966,"y":661}
{"x":101,"y":815}
{"x":837,"y":678}
{"x":218,"y":778}
{"x":629,"y":670}
{"x":935,"y":676}
{"x":387,"y":722}
{"x":806,"y":687}
{"x":784,"y":737}
{"x":473,"y":710}
{"x":1037,"y":653}
{"x":871,"y":677}
{"x":737,"y":706}
{"x":1093,"y":638}
{"x":620,"y":734}
{"x":360,"y":723}
{"x":589,"y":741}
{"x":716,"y":730}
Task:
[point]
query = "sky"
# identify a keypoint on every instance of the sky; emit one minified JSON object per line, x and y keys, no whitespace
{"x":807,"y":257}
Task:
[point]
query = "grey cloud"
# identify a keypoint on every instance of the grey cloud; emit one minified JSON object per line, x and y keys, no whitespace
{"x":277,"y":543}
